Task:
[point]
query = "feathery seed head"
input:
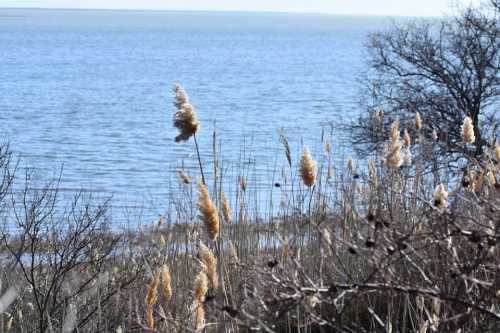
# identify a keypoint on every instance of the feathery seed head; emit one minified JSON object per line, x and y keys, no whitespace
{"x":440,"y":196}
{"x":496,"y":150}
{"x":328,"y":145}
{"x":393,"y":156}
{"x":152,"y":294}
{"x":180,"y":96}
{"x":199,"y":315}
{"x":350,"y":163}
{"x":307,"y":168}
{"x":234,"y":254}
{"x":408,"y":157}
{"x":434,"y":135}
{"x":185,"y":119}
{"x":167,"y":288}
{"x":149,"y":316}
{"x":243,"y":184}
{"x":209,"y":265}
{"x":406,"y":139}
{"x":467,"y":132}
{"x":379,"y":115}
{"x":184,"y":176}
{"x":209,"y":214}
{"x":418,"y":122}
{"x":200,"y":287}
{"x":226,"y":209}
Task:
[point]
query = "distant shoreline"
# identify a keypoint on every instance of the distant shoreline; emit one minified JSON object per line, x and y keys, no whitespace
{"x":200,"y":12}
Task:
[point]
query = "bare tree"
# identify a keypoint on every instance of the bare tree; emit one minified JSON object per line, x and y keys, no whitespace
{"x":445,"y":69}
{"x":60,"y":259}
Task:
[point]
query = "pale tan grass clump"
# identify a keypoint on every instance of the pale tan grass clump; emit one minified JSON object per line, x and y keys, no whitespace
{"x":185,"y":119}
{"x":209,"y":214}
{"x":393,"y":156}
{"x":440,"y":195}
{"x":434,"y":135}
{"x":184,"y":176}
{"x":166,"y":279}
{"x":307,"y":168}
{"x":330,"y":173}
{"x":467,"y":132}
{"x":226,"y":208}
{"x":418,"y":121}
{"x":209,"y":265}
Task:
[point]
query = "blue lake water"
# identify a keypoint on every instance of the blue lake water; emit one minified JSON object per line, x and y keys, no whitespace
{"x":92,"y":91}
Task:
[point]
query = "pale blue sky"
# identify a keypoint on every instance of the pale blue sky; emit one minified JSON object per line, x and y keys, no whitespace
{"x":370,"y":7}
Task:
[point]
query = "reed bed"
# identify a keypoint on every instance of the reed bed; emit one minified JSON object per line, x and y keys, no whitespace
{"x":383,"y":245}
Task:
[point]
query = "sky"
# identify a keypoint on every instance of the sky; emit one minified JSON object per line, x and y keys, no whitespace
{"x":354,"y":7}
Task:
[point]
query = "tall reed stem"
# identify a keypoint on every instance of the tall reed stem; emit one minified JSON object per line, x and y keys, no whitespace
{"x":199,"y":160}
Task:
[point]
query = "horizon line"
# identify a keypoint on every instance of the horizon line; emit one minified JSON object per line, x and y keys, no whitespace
{"x":210,"y":11}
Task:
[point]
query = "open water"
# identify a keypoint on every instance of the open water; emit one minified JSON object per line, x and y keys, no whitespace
{"x":91,"y":92}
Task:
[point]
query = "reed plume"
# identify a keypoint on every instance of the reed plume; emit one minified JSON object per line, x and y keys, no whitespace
{"x":199,"y":315}
{"x":185,"y":119}
{"x":184,"y":176}
{"x":496,"y":150}
{"x":286,"y":250}
{"x":440,"y":196}
{"x":408,"y":157}
{"x":328,"y":240}
{"x":393,"y":156}
{"x":328,"y":145}
{"x":200,"y":287}
{"x":166,"y":279}
{"x":226,"y":209}
{"x":153,"y":288}
{"x":434,"y":135}
{"x":307,"y":168}
{"x":378,"y":117}
{"x":372,"y":168}
{"x":418,"y":122}
{"x":9,"y":323}
{"x":406,"y":139}
{"x":208,"y":210}
{"x":243,"y":184}
{"x":286,"y":147}
{"x":209,"y":265}
{"x":467,"y":132}
{"x":149,"y":317}
{"x":234,"y":254}
{"x":350,"y":163}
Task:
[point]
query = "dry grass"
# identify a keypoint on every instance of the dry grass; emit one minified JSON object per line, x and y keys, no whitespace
{"x":371,"y":247}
